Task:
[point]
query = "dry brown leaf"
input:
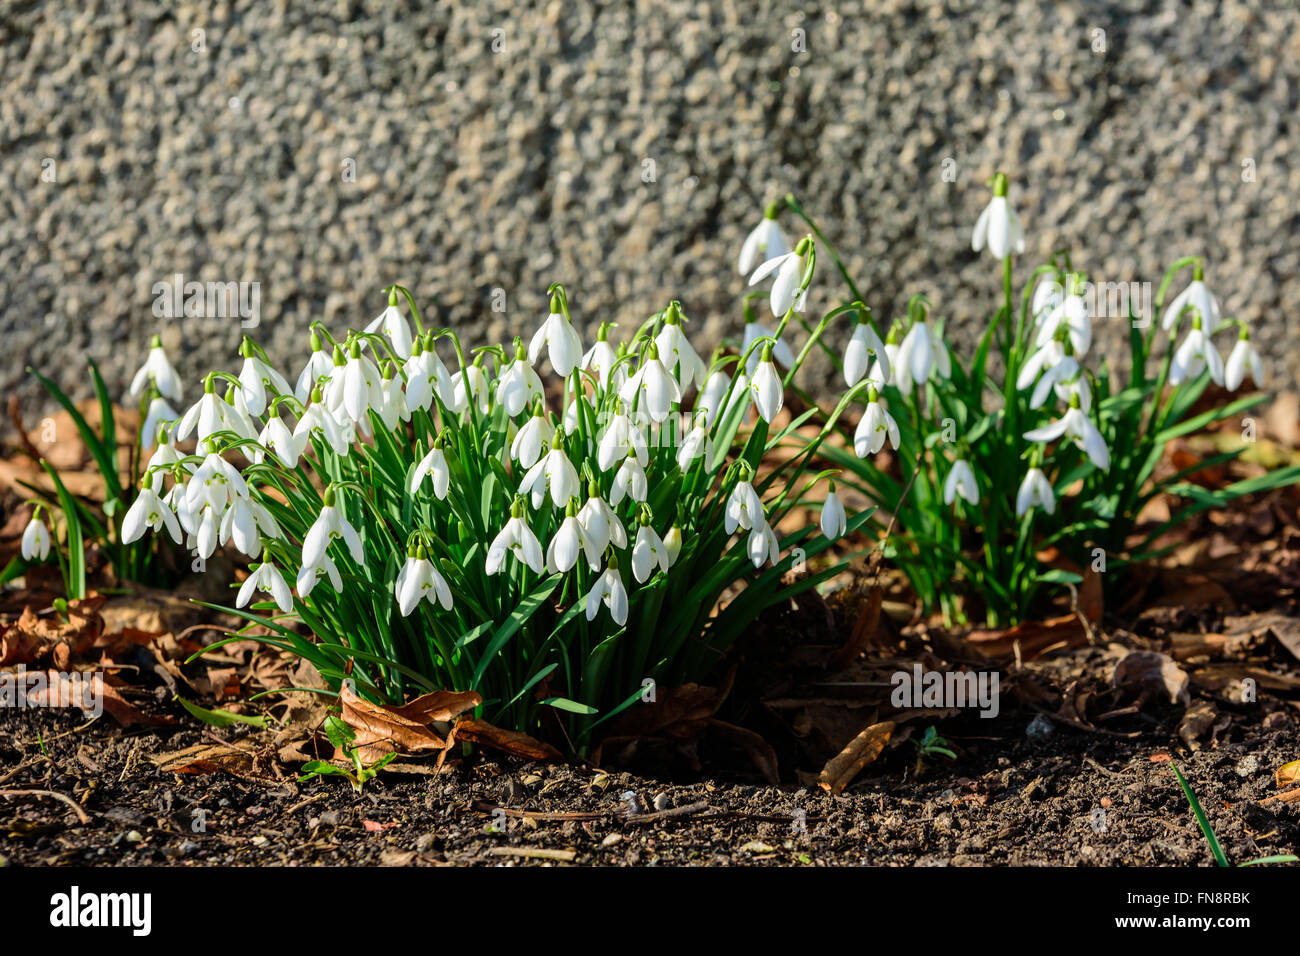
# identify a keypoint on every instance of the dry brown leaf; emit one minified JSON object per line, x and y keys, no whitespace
{"x":508,"y":741}
{"x":208,"y":758}
{"x":1153,"y":672}
{"x":862,"y":750}
{"x":1288,"y":773}
{"x":380,"y":730}
{"x":63,"y":689}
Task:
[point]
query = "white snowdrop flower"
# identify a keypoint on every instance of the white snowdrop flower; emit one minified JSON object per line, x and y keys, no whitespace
{"x":766,"y":241}
{"x":710,"y":397}
{"x":789,"y":269}
{"x":834,"y":520}
{"x":1042,"y":359}
{"x":256,"y":377}
{"x":159,"y":411}
{"x":166,"y":454}
{"x":147,"y":512}
{"x":427,"y":378}
{"x":571,"y":419}
{"x":553,"y":473}
{"x":1077,"y":427}
{"x":330,"y":526}
{"x":998,"y":225}
{"x":1048,"y":295}
{"x":433,"y":464}
{"x":1063,"y":371}
{"x":244,"y":523}
{"x":679,"y":357}
{"x":1196,"y":354}
{"x":599,"y":522}
{"x":755,"y":330}
{"x":157,"y":369}
{"x":268,"y":580}
{"x":942,"y":358}
{"x":216,"y":482}
{"x":864,"y":346}
{"x":1198,"y":297}
{"x":420,"y":580}
{"x":875,"y":427}
{"x":569,"y":542}
{"x":205,"y":417}
{"x":392,"y":406}
{"x":320,"y":364}
{"x":517,"y":539}
{"x":358,"y":390}
{"x":317,"y":419}
{"x":961,"y":481}
{"x":36,"y":539}
{"x":1075,"y":391}
{"x":673,"y":544}
{"x":648,"y":552}
{"x":744,"y":509}
{"x":763,"y":546}
{"x":308,"y":578}
{"x":629,"y":481}
{"x":470,"y":383}
{"x":390,"y":323}
{"x":207,"y":532}
{"x":652,"y":389}
{"x":1072,"y":315}
{"x":898,"y":363}
{"x":601,"y":357}
{"x":695,"y":444}
{"x":237,"y":417}
{"x":916,"y":355}
{"x":1243,"y":360}
{"x":518,"y":385}
{"x":766,"y":387}
{"x":531,"y":440}
{"x":279,"y":439}
{"x":1035,"y":492}
{"x":175,"y":500}
{"x":563,"y":346}
{"x":608,"y":590}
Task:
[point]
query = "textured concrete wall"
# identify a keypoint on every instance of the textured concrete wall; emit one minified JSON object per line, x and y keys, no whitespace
{"x":222,"y":156}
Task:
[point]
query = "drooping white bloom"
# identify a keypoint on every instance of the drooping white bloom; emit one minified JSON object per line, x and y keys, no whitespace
{"x":629,"y":482}
{"x":569,"y":542}
{"x":763,"y":546}
{"x":1077,"y":427}
{"x":320,"y":364}
{"x":1035,"y":492}
{"x":1196,"y":296}
{"x":608,"y":590}
{"x":709,"y":400}
{"x":652,"y":389}
{"x":756,"y":330}
{"x":1044,"y":358}
{"x":244,"y":523}
{"x":601,"y":357}
{"x":1065,"y":370}
{"x":308,"y":578}
{"x":600,"y":524}
{"x":744,"y":509}
{"x":532,"y":439}
{"x":470,"y":383}
{"x":147,"y":512}
{"x":330,"y":526}
{"x":553,"y":474}
{"x":268,"y":580}
{"x":392,"y":407}
{"x":420,"y":580}
{"x":159,"y":411}
{"x":207,"y":530}
{"x":256,"y":377}
{"x":216,"y":482}
{"x":1196,"y":354}
{"x":518,"y":385}
{"x":158,"y":369}
{"x":648,"y":553}
{"x":864,"y":346}
{"x":695,"y":444}
{"x":561,"y":340}
{"x":766,"y":241}
{"x":36,"y":540}
{"x":914,"y":359}
{"x":427,"y":377}
{"x":165,"y":454}
{"x":766,"y":388}
{"x":1072,"y":314}
{"x":391,"y":324}
{"x":620,"y":438}
{"x":318,"y":419}
{"x":673,"y":542}
{"x":961,"y":481}
{"x":834,"y":521}
{"x":677,"y":354}
{"x":279,"y":439}
{"x":1243,"y":360}
{"x":357,"y":390}
{"x":208,"y":415}
{"x":875,"y":427}
{"x":789,"y":268}
{"x":434,"y":464}
{"x":517,"y":539}
{"x":998,"y":225}
{"x":1049,"y":294}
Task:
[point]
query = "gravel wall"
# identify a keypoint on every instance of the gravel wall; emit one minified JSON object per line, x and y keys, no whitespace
{"x":478,"y":151}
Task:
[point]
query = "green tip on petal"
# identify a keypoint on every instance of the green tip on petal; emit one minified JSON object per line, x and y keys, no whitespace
{"x":329,"y":497}
{"x":155,"y":342}
{"x":517,"y":507}
{"x":1000,"y":184}
{"x":767,"y":352}
{"x":339,"y":357}
{"x":773,"y":210}
{"x":555,"y":304}
{"x":1198,"y":273}
{"x":392,"y":296}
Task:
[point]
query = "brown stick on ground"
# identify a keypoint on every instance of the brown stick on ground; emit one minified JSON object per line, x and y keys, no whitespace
{"x":81,"y":814}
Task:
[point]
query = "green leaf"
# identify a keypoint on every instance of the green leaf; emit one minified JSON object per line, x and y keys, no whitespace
{"x":1219,"y":856}
{"x":219,"y":718}
{"x":572,"y":706}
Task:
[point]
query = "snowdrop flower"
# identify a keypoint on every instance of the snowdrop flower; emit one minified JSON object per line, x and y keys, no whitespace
{"x":532,"y":439}
{"x":208,"y":415}
{"x":1049,"y":294}
{"x":1077,"y":427}
{"x":570,"y":541}
{"x":308,"y":578}
{"x":673,"y":543}
{"x":766,"y":388}
{"x":1046,"y":357}
{"x":216,"y":482}
{"x":277,"y":438}
{"x":998,"y":225}
{"x":159,"y":411}
{"x":679,"y":357}
{"x":316,"y":418}
{"x":599,"y":523}
{"x":629,"y":481}
{"x":427,"y":377}
{"x":147,"y":512}
{"x":255,"y":377}
{"x":244,"y":523}
{"x":518,"y":385}
{"x":765,"y":242}
{"x":470,"y":383}
{"x":561,"y":340}
{"x":392,"y":407}
{"x":1243,"y":360}
{"x":268,"y":580}
{"x":391,"y":323}
{"x":653,"y":386}
{"x":601,"y":357}
{"x":744,"y":509}
{"x":789,"y":268}
{"x":710,"y":397}
{"x":553,"y":473}
{"x":207,"y":531}
{"x":648,"y":552}
{"x":914,"y":359}
{"x":864,"y":346}
{"x":1063,"y":371}
{"x":358,"y":389}
{"x":620,"y":438}
{"x":755,"y":330}
{"x":329,"y":527}
{"x":419,"y":579}
{"x":434,"y":464}
{"x":1195,"y":296}
{"x":763,"y":546}
{"x":961,"y":481}
{"x":834,"y":521}
{"x":1035,"y":492}
{"x":875,"y":427}
{"x":158,"y":369}
{"x":36,"y":539}
{"x":695,"y":444}
{"x":1195,"y":355}
{"x":517,"y":539}
{"x":608,"y":590}
{"x":319,"y":365}
{"x":166,"y":453}
{"x":1072,"y":315}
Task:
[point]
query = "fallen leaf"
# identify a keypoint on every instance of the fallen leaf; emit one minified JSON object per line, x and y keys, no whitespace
{"x":88,"y":691}
{"x":1153,"y":672}
{"x":381,"y":730}
{"x":209,"y":758}
{"x":862,"y":750}
{"x":508,"y":741}
{"x":1288,"y":773}
{"x":373,"y":827}
{"x":1198,"y":719}
{"x":757,"y":846}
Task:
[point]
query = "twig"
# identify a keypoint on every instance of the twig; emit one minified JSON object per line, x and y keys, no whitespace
{"x":575,"y":815}
{"x":81,"y":814}
{"x":669,"y":814}
{"x":21,"y":767}
{"x":536,"y":853}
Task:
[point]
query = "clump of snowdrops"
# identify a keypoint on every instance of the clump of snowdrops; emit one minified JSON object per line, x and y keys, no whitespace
{"x":1032,"y":446}
{"x":562,"y":551}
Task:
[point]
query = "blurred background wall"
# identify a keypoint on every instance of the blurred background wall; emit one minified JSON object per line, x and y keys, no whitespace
{"x":476,"y":151}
